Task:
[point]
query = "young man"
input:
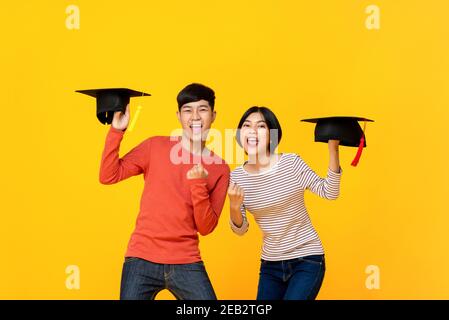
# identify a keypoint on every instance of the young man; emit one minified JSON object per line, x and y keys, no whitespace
{"x":180,"y":199}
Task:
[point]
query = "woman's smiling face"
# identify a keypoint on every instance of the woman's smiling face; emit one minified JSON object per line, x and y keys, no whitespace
{"x":254,"y":134}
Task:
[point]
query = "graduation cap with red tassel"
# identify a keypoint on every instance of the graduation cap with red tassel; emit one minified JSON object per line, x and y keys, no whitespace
{"x":345,"y":129}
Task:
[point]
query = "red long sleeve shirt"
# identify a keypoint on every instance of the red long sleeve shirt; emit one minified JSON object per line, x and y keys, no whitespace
{"x":173,"y":209}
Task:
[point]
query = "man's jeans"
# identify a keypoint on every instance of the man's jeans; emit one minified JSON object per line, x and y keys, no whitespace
{"x":142,"y":280}
{"x":294,"y":279}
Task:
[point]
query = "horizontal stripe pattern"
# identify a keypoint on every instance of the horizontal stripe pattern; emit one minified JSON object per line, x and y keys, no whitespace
{"x":275,"y":198}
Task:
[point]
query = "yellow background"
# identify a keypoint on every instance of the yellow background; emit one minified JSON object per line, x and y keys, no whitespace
{"x":300,"y":58}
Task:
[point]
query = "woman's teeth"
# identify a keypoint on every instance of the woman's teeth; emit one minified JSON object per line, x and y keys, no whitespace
{"x":252,"y":141}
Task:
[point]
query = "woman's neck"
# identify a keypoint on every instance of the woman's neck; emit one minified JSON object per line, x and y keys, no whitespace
{"x":260,"y":162}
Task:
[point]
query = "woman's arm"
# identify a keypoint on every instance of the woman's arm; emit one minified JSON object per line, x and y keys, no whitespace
{"x":238,"y":222}
{"x":327,"y":188}
{"x":334,"y":157}
{"x":236,"y":216}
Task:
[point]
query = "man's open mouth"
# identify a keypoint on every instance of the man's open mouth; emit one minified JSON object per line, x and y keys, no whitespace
{"x":196,"y":127}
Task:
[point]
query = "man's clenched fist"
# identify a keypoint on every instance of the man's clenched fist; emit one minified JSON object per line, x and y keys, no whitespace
{"x":197,"y":172}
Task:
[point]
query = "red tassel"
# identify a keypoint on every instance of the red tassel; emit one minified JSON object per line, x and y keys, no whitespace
{"x":361,"y":145}
{"x":359,"y":152}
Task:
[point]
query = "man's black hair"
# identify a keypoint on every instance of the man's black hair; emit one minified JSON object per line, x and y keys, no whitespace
{"x":196,"y":92}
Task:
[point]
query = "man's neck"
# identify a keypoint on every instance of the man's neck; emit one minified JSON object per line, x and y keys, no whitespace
{"x":195,"y":147}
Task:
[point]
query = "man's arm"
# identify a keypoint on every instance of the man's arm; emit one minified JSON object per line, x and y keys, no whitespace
{"x":208,"y":204}
{"x":112,"y":168}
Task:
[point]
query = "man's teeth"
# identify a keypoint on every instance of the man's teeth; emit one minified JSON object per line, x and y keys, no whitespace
{"x":196,"y":128}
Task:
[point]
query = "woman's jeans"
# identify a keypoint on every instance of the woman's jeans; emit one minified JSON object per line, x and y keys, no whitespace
{"x":142,"y":280}
{"x":294,"y":279}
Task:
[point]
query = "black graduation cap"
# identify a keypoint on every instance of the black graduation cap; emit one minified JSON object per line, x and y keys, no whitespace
{"x":345,"y":129}
{"x":111,"y":100}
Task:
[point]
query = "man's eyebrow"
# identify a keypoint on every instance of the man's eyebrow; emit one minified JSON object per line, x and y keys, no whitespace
{"x":203,"y":105}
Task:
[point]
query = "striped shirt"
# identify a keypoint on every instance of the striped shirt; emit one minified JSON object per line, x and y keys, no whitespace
{"x":275,"y":197}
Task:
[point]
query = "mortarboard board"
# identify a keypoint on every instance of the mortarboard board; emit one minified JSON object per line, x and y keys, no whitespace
{"x":345,"y":129}
{"x":111,"y":100}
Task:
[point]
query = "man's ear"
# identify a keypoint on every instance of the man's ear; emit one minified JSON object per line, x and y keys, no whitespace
{"x":214,"y":115}
{"x":178,"y":115}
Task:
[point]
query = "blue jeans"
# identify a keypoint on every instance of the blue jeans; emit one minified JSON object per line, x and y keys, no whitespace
{"x":294,"y":279}
{"x":142,"y":280}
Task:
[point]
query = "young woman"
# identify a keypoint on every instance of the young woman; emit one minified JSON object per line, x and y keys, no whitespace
{"x":271,"y":186}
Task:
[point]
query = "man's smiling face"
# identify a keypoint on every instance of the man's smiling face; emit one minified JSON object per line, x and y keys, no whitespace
{"x":196,"y":119}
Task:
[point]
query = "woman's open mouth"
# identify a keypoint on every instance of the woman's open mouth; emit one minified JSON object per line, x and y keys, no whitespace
{"x":252,"y":142}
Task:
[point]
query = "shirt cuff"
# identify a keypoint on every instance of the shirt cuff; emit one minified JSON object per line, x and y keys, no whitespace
{"x":239,"y":230}
{"x":333,"y":173}
{"x":114,"y":130}
{"x":199,"y":181}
